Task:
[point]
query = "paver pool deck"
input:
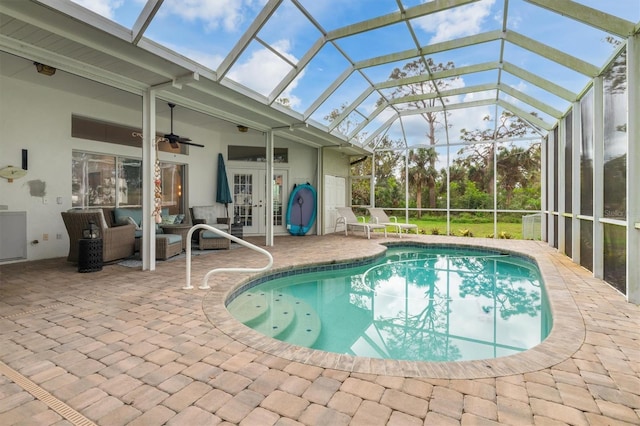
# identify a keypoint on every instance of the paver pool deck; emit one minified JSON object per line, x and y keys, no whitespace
{"x":124,"y":346}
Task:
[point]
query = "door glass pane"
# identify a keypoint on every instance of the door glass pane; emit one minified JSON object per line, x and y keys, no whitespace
{"x":243,"y":197}
{"x":278,"y":183}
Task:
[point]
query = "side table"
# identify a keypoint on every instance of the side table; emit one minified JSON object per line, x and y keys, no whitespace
{"x":180,"y":229}
{"x":89,"y":255}
{"x":237,"y":231}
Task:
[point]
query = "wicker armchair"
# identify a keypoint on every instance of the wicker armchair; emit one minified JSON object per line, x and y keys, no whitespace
{"x":208,"y":240}
{"x":117,"y":242}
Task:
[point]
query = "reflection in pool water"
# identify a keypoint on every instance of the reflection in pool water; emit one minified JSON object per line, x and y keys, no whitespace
{"x":416,"y":303}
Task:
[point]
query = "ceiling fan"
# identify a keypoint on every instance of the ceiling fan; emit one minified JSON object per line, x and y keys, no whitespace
{"x":174,"y":139}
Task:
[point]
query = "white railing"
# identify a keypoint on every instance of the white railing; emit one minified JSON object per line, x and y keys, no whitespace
{"x":222,"y":234}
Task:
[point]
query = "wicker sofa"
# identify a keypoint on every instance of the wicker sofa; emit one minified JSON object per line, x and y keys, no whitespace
{"x":167,"y":246}
{"x":117,"y":241}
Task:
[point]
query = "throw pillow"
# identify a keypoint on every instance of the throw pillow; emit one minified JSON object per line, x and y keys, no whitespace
{"x":179,"y":219}
{"x":102,"y":222}
{"x":169,"y":219}
{"x":132,"y":221}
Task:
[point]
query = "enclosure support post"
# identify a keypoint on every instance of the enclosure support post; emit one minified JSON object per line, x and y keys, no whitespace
{"x":633,"y":171}
{"x":598,"y":180}
{"x":148,"y":247}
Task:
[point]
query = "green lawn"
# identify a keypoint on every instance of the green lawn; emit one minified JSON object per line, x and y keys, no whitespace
{"x":427,"y":226}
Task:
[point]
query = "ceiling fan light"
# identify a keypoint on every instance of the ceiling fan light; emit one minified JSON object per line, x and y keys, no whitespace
{"x":45,"y":69}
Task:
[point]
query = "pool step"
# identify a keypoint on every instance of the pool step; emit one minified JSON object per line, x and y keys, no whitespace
{"x":307,"y":326}
{"x":279,"y":316}
{"x":250,"y":308}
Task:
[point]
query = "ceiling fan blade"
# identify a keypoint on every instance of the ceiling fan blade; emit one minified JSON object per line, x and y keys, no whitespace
{"x":193,"y":144}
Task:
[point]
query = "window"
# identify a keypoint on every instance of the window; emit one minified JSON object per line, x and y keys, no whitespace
{"x":100,"y":180}
{"x":256,"y":153}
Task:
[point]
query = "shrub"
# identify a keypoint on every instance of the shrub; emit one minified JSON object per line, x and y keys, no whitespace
{"x":435,"y":231}
{"x":466,"y":233}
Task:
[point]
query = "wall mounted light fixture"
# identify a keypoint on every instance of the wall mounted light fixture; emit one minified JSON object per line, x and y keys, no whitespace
{"x":242,"y":129}
{"x":45,"y":69}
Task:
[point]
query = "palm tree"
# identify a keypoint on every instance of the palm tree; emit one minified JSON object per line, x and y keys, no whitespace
{"x":422,"y":173}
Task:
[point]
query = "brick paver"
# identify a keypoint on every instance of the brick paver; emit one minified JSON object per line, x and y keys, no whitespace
{"x":122,"y":346}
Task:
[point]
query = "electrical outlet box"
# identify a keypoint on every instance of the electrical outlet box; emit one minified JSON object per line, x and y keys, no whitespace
{"x":45,"y":237}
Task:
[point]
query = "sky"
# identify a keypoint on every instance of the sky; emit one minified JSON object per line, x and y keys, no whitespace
{"x":207,"y":30}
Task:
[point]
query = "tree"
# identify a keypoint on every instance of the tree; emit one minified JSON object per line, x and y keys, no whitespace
{"x":517,"y":167}
{"x":434,"y":119}
{"x":422,"y":173}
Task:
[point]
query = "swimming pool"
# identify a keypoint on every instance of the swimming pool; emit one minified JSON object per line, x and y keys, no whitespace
{"x":415,"y":303}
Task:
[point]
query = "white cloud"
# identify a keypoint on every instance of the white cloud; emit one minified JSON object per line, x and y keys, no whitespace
{"x":263,"y":70}
{"x":216,"y":14}
{"x":104,"y":8}
{"x":456,"y":22}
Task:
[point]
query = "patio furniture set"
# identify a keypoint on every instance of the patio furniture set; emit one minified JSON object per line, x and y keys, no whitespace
{"x":121,"y":233}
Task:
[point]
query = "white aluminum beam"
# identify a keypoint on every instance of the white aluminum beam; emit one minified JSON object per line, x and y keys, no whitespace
{"x":444,"y":93}
{"x":530,"y":100}
{"x":561,"y":143}
{"x":328,"y":92}
{"x":598,"y":180}
{"x":430,"y":49}
{"x":525,"y":115}
{"x":576,"y":185}
{"x":552,"y":54}
{"x":349,"y":109}
{"x":588,"y":15}
{"x":542,"y":83}
{"x":633,"y":169}
{"x":291,"y":75}
{"x":247,"y":36}
{"x":453,"y":72}
{"x":396,"y":17}
{"x":144,"y":19}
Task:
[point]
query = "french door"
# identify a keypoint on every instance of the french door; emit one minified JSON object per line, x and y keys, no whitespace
{"x":250,"y":200}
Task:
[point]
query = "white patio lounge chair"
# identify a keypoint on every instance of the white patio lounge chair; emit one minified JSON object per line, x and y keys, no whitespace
{"x":350,"y":221}
{"x":381,"y":218}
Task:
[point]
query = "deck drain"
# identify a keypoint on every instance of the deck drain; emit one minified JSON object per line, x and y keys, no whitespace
{"x":52,"y":402}
{"x":33,"y":311}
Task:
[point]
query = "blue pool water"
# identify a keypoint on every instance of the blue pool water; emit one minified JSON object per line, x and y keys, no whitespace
{"x":415,"y":303}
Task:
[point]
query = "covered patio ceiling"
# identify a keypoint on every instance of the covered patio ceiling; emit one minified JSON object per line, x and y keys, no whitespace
{"x":319,"y":71}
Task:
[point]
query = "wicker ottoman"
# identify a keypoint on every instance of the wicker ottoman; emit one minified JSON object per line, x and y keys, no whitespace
{"x":167,"y":245}
{"x":208,"y":240}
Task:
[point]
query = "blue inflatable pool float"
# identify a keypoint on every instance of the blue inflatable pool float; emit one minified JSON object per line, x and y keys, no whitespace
{"x":301,"y":210}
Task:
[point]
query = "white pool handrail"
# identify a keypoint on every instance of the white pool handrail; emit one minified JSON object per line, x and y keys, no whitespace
{"x":222,"y":234}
